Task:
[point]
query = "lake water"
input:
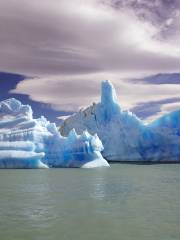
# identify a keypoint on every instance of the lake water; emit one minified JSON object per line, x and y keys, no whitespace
{"x":125,"y":202}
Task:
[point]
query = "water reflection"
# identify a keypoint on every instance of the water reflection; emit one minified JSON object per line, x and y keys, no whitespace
{"x":128,"y":201}
{"x":98,"y":190}
{"x":108,"y":187}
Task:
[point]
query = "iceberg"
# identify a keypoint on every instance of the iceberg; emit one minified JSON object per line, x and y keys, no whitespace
{"x":26,"y":142}
{"x":124,"y":136}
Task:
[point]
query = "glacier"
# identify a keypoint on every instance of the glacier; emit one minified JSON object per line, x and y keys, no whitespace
{"x":124,"y":136}
{"x":26,"y":142}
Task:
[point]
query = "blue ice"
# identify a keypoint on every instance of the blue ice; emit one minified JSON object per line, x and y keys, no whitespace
{"x":26,"y":142}
{"x":124,"y":136}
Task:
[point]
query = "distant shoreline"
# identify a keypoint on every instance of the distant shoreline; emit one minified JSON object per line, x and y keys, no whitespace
{"x":143,"y":162}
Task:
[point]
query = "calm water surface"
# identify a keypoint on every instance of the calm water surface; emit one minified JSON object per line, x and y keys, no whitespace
{"x":125,"y":202}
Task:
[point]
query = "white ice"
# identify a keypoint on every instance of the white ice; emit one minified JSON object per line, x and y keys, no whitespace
{"x":124,"y":136}
{"x":26,"y":142}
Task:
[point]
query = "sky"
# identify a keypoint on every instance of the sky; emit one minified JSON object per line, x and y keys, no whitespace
{"x":54,"y":54}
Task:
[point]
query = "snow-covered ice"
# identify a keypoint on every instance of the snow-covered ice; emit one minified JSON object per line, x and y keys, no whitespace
{"x":124,"y":136}
{"x":26,"y":142}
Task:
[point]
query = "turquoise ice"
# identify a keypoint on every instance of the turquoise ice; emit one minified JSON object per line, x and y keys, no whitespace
{"x":124,"y":136}
{"x":26,"y":142}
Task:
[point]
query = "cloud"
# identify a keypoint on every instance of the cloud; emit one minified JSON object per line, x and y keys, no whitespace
{"x":64,"y":117}
{"x":70,"y":46}
{"x":151,"y":110}
{"x":72,"y":93}
{"x":65,"y":37}
{"x":164,"y":109}
{"x":173,"y":78}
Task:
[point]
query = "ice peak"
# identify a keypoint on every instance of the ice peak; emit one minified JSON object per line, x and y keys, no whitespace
{"x":13,"y":107}
{"x":108,"y":93}
{"x":73,"y":135}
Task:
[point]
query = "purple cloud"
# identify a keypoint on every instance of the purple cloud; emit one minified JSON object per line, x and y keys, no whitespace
{"x":69,"y":47}
{"x":168,"y":78}
{"x":146,"y":110}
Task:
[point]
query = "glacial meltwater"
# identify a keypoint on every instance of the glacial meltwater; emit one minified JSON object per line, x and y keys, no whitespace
{"x":124,"y":202}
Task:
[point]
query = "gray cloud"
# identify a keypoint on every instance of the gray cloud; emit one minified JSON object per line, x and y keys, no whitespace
{"x":173,"y":78}
{"x":155,"y":11}
{"x":149,"y":109}
{"x":62,"y":37}
{"x":73,"y":92}
{"x":70,"y":46}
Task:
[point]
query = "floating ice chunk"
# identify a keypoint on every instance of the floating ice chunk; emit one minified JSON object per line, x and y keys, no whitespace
{"x":36,"y":143}
{"x":123,"y":135}
{"x":21,"y":159}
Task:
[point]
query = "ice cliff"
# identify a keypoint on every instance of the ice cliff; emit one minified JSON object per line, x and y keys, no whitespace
{"x":26,"y":142}
{"x":124,"y":136}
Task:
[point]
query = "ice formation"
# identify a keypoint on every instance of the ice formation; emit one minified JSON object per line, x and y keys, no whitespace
{"x":124,"y":136}
{"x":36,"y":143}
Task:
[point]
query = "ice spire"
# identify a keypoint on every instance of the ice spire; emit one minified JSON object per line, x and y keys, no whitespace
{"x":108,"y":93}
{"x":109,"y":103}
